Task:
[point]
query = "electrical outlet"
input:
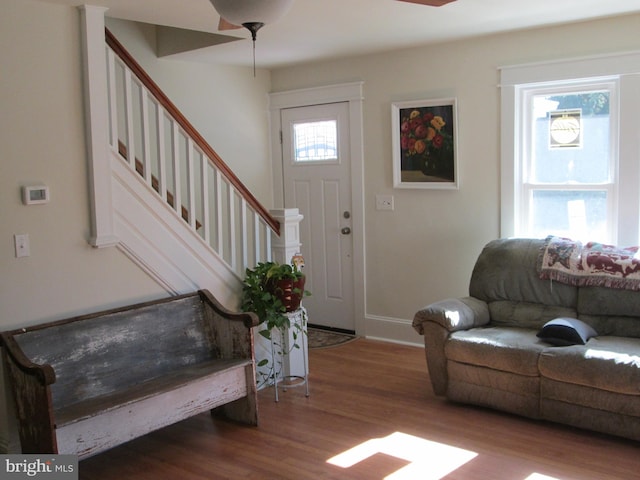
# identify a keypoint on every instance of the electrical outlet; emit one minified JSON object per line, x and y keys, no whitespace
{"x":384,"y":202}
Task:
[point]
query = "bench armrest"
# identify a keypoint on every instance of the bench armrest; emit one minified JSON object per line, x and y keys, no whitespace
{"x":30,"y":386}
{"x":231,"y":332}
{"x":249,"y":319}
{"x":453,"y":314}
{"x":43,"y":373}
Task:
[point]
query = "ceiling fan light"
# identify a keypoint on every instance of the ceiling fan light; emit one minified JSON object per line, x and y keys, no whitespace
{"x":239,"y":12}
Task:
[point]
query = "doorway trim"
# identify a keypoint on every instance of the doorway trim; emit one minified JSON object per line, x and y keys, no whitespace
{"x":345,"y":92}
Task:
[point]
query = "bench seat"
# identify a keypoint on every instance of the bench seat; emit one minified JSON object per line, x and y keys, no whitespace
{"x":206,"y":372}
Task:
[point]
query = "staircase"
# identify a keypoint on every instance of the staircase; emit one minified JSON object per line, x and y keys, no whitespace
{"x":161,"y":194}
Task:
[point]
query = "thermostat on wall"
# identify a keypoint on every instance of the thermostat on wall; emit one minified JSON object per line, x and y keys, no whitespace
{"x":35,"y":195}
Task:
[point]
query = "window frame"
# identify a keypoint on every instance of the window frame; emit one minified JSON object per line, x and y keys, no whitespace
{"x":526,"y":186}
{"x":624,"y":70}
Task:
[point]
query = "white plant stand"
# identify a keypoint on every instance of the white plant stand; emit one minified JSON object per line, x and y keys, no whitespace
{"x":294,"y":360}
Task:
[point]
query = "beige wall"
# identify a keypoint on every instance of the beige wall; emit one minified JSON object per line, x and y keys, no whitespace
{"x":425,"y":249}
{"x":42,"y":141}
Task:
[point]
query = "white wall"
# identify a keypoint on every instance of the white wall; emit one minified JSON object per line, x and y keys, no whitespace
{"x":42,"y":141}
{"x":425,"y":249}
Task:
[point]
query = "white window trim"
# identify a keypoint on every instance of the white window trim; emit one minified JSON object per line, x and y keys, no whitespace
{"x":625,"y":66}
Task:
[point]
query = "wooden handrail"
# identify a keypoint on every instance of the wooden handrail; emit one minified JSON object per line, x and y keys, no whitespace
{"x":190,"y":130}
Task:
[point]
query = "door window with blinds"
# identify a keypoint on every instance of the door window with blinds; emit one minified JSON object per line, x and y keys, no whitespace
{"x":315,"y":142}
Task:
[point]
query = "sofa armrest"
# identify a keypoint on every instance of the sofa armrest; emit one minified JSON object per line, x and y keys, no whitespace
{"x":453,"y":314}
{"x":436,"y":322}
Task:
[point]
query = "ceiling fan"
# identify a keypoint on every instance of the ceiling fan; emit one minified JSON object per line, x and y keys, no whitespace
{"x":254,"y":14}
{"x":431,"y":3}
{"x":224,"y":24}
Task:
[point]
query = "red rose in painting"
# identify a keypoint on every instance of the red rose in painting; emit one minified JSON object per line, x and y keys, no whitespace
{"x":421,"y":131}
{"x":437,"y":141}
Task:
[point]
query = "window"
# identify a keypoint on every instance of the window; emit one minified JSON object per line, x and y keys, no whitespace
{"x":316,"y":141}
{"x":571,"y":149}
{"x":569,"y":162}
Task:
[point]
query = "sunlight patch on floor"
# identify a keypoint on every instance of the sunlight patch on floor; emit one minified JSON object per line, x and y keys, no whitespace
{"x":428,"y":460}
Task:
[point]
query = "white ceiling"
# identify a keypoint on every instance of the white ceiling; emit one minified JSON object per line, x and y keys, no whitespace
{"x":325,"y":29}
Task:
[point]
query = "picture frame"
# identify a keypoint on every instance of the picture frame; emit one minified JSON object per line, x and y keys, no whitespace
{"x":424,"y":141}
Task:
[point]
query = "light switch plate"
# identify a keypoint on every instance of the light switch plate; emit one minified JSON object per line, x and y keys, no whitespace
{"x":22,"y":245}
{"x":384,"y":202}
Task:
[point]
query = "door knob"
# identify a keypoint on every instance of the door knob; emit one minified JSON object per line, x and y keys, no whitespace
{"x":346,"y":231}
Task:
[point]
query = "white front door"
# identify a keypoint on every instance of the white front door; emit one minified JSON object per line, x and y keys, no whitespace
{"x":317,"y":181}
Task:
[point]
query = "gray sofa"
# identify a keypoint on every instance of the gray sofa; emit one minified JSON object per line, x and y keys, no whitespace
{"x":484,"y":350}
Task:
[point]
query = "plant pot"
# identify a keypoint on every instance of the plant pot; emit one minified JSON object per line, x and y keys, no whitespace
{"x":288,"y":291}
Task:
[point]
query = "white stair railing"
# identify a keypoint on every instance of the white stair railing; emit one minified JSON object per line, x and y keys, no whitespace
{"x":155,"y":140}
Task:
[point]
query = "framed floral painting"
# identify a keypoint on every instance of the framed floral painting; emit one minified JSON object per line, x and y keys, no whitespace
{"x":424,"y":144}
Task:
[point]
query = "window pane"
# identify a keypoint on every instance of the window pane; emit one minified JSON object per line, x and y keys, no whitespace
{"x":316,"y":141}
{"x":571,"y":138}
{"x":581,"y":215}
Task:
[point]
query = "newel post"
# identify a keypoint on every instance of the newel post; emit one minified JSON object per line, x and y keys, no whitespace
{"x":284,"y":247}
{"x":97,"y":125}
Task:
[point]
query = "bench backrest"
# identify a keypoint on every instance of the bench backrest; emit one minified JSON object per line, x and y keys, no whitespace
{"x":96,"y":355}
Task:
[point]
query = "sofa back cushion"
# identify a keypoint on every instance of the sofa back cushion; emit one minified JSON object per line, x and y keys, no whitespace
{"x":507,"y":270}
{"x":525,"y":314}
{"x":610,"y":311}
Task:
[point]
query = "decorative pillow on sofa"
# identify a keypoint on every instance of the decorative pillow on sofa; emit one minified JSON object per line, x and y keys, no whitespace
{"x":565,"y":331}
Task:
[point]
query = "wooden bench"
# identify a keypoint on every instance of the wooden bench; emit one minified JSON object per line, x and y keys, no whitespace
{"x":86,"y":384}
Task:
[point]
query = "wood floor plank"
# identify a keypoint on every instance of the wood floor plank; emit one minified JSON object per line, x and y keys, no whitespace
{"x":361,"y":391}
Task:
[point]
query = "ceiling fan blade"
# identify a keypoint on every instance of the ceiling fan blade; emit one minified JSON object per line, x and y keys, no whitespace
{"x":431,"y":3}
{"x":224,"y":25}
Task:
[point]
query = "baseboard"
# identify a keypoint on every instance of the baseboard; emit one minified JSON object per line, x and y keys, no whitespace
{"x":394,"y":330}
{"x":332,"y":329}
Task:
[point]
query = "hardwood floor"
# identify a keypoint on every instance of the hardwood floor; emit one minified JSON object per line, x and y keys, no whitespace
{"x":361,"y":391}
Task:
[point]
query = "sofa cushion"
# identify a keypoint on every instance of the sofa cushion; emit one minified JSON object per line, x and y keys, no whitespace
{"x":613,"y":325}
{"x":565,"y":331}
{"x":607,"y":363}
{"x":508,"y":313}
{"x":608,"y":301}
{"x":506,"y":269}
{"x":508,"y":349}
{"x":611,"y":311}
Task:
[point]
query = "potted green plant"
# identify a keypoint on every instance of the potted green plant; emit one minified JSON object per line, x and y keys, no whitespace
{"x":271,"y":290}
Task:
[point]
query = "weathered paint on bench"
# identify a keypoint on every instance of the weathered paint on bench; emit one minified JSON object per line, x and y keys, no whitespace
{"x":85,"y":384}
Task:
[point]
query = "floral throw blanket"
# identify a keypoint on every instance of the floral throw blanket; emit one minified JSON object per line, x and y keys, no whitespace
{"x":592,"y":264}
